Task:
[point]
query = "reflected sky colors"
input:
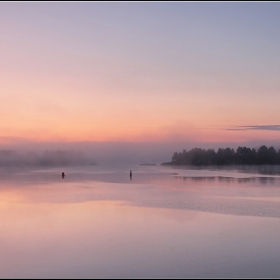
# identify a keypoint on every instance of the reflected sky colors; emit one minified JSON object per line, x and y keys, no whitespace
{"x":228,"y":191}
{"x":157,"y":225}
{"x":139,"y":71}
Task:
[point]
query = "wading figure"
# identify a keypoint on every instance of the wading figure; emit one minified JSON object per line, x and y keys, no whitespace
{"x":62,"y":175}
{"x":130,"y":174}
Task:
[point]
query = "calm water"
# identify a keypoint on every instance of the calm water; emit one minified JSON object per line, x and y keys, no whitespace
{"x":162,"y":223}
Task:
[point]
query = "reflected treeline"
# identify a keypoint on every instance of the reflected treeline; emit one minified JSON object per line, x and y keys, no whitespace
{"x":47,"y":158}
{"x":221,"y":179}
{"x":227,"y":156}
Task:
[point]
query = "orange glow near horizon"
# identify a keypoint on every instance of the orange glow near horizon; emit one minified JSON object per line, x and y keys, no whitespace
{"x":154,"y":119}
{"x":114,"y":117}
{"x":144,"y":135}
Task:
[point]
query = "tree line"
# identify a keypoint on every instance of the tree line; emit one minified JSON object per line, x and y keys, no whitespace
{"x":227,"y":156}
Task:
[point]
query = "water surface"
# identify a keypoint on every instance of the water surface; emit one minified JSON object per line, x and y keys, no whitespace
{"x":164,"y":222}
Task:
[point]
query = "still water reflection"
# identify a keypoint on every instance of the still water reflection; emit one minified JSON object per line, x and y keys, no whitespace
{"x":163,"y":223}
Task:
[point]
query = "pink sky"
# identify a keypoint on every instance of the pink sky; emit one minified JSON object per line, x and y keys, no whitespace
{"x":139,"y":72}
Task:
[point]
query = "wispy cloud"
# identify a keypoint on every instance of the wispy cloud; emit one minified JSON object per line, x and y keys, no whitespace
{"x":256,"y":127}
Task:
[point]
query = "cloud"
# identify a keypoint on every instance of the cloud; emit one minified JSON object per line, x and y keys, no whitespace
{"x":256,"y":127}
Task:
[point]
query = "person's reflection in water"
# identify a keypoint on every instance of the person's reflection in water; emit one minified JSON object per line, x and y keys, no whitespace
{"x":130,"y":175}
{"x":62,"y":175}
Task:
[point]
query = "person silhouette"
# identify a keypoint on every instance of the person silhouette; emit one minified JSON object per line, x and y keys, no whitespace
{"x":62,"y":175}
{"x":130,"y":174}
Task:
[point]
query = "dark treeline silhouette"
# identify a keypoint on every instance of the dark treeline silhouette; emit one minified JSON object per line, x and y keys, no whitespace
{"x":47,"y":158}
{"x":227,"y":156}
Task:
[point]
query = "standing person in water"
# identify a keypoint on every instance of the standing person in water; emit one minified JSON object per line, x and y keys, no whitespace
{"x":130,"y":174}
{"x":62,"y":175}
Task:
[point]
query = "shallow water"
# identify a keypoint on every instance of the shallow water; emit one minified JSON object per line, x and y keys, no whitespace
{"x":164,"y":222}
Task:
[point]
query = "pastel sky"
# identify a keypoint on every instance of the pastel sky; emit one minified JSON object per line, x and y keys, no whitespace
{"x":140,"y":71}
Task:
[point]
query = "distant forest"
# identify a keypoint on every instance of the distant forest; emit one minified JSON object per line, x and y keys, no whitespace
{"x":227,"y":156}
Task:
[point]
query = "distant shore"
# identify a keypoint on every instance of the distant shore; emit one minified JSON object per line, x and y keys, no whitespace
{"x":228,"y":156}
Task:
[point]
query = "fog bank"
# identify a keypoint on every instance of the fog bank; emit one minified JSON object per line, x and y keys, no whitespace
{"x":80,"y":153}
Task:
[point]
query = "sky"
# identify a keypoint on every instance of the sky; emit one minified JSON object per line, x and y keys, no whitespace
{"x":180,"y":74}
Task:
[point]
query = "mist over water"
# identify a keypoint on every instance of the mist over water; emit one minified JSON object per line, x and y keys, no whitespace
{"x":75,"y":153}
